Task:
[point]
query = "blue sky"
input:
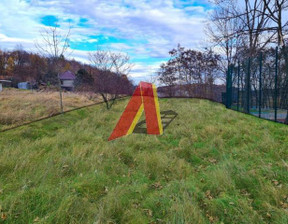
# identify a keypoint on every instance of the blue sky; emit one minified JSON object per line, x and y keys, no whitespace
{"x":145,"y":29}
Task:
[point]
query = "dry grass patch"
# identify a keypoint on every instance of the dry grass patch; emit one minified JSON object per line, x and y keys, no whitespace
{"x":22,"y":106}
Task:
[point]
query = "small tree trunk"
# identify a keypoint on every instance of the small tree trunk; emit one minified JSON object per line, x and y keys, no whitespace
{"x":113,"y":100}
{"x":105,"y":100}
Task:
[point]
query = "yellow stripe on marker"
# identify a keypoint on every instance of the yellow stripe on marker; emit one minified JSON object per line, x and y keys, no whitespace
{"x":157,"y":109}
{"x":136,"y":119}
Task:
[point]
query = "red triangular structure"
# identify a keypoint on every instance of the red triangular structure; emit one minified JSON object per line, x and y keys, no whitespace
{"x":144,"y":98}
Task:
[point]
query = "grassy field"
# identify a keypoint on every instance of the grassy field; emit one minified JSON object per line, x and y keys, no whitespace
{"x":211,"y":165}
{"x":21,"y":106}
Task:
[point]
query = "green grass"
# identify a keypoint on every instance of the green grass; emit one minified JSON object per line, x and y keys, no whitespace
{"x":210,"y":165}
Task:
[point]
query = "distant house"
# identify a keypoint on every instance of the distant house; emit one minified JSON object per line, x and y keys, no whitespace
{"x":6,"y":83}
{"x":67,"y":80}
{"x":24,"y":85}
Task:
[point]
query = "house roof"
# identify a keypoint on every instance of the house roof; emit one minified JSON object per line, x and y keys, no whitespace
{"x":67,"y":76}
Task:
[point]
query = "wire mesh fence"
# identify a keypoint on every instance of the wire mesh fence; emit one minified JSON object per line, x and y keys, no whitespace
{"x":259,"y":85}
{"x":20,"y":106}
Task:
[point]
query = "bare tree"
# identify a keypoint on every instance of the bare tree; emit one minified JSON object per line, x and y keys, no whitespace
{"x":252,"y":27}
{"x":255,"y":25}
{"x":110,"y":78}
{"x":275,"y":10}
{"x":223,"y":33}
{"x":54,"y":44}
{"x":189,"y":68}
{"x":167,"y":76}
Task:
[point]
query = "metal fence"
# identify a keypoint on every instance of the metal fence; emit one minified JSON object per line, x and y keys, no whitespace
{"x":259,"y":85}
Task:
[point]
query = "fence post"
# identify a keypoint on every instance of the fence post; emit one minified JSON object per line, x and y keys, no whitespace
{"x":248,"y":87}
{"x":276,"y":83}
{"x":229,"y":87}
{"x":238,"y":84}
{"x":286,"y":71}
{"x":260,"y":83}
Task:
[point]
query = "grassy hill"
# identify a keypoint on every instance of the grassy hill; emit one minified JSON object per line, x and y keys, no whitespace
{"x":211,"y":165}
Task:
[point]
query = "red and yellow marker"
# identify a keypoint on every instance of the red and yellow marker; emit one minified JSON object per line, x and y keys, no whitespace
{"x":144,"y":98}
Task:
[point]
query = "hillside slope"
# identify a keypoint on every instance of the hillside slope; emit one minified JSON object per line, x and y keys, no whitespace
{"x":210,"y":165}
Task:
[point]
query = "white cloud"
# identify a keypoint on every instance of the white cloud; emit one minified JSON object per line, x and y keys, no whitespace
{"x":153,"y":27}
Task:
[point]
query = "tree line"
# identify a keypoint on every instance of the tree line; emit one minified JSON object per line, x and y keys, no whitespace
{"x":108,"y":78}
{"x":238,"y":30}
{"x":188,"y":68}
